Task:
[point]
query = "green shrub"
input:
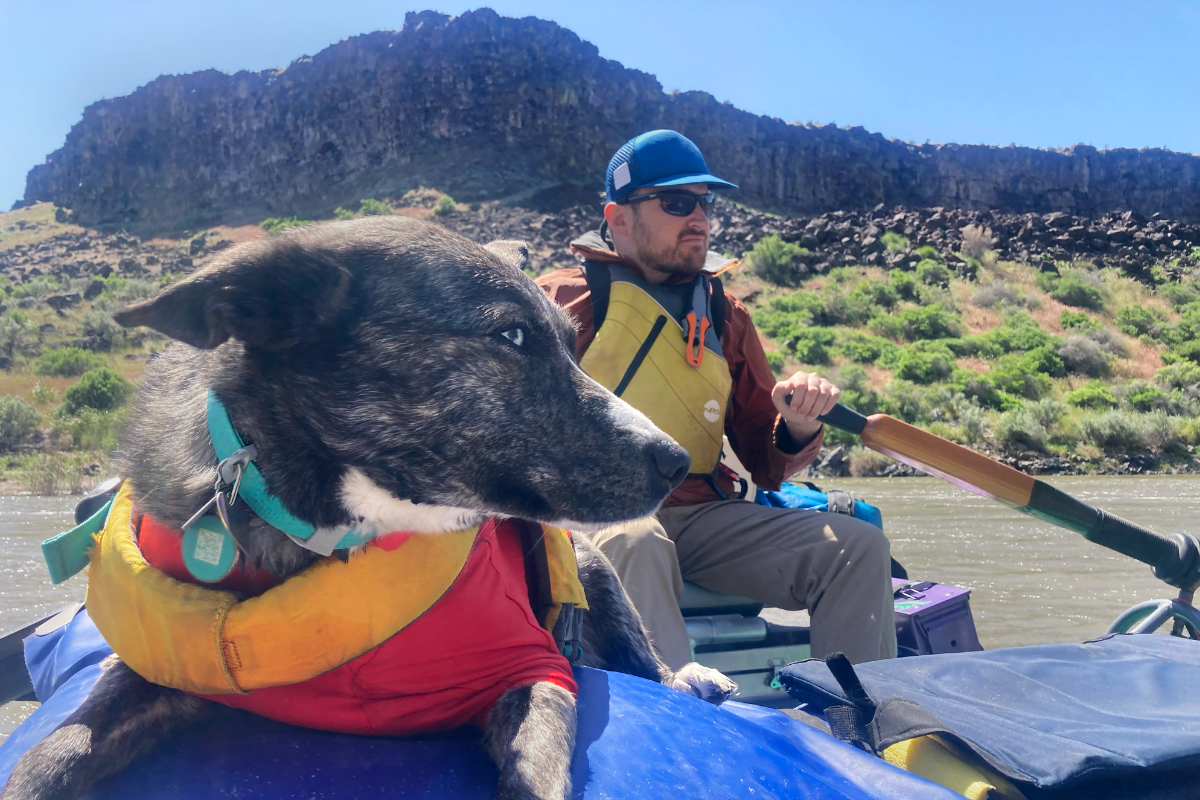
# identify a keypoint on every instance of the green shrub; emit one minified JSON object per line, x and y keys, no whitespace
{"x":926,"y":251}
{"x":38,"y":286}
{"x":1047,"y":412}
{"x":1144,"y":397}
{"x":1014,"y":376}
{"x":894,"y":242}
{"x":1018,"y":431}
{"x":1018,"y":333}
{"x":903,"y":283}
{"x":972,"y":421}
{"x":928,"y":322}
{"x":862,"y":348}
{"x":1079,"y":290}
{"x":1180,"y":294}
{"x":102,"y":389}
{"x":889,"y":326}
{"x":343,"y":213}
{"x":90,"y":429}
{"x":933,"y":273}
{"x":874,"y":294}
{"x":1182,"y":375}
{"x":1114,"y":432}
{"x":15,"y":332}
{"x":1139,"y":320}
{"x":277,"y":224}
{"x":1044,"y":360}
{"x":370,"y":207}
{"x":776,"y":361}
{"x":18,"y":419}
{"x":66,"y":362}
{"x":777,"y":261}
{"x":811,"y":345}
{"x":1092,"y":395}
{"x":1077,"y":319}
{"x":1189,"y":351}
{"x":1161,"y":432}
{"x":924,"y":363}
{"x":444,"y":205}
{"x":903,"y":400}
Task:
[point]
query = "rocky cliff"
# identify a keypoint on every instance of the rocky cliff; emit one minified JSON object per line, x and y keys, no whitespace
{"x":485,"y":106}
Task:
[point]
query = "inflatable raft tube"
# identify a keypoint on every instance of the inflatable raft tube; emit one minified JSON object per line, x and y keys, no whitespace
{"x":636,"y":739}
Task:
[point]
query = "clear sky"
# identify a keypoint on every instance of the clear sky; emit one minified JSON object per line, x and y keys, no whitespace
{"x":1045,"y":74}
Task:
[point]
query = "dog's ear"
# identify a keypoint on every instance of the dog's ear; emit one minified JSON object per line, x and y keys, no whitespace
{"x":510,"y":250}
{"x":271,"y":295}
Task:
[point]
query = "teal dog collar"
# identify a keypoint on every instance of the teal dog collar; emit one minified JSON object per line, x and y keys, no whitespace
{"x":267,"y":506}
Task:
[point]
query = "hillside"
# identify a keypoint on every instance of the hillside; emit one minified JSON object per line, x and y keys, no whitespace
{"x":490,"y":107}
{"x":1060,"y":344}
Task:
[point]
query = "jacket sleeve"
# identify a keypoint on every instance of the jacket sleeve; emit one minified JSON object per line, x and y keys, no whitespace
{"x":755,"y":430}
{"x":568,"y":288}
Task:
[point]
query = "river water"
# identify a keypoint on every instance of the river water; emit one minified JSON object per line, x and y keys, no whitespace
{"x":1031,"y":583}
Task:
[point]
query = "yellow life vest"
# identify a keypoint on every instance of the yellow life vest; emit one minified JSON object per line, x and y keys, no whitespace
{"x":641,"y":354}
{"x":207,"y":641}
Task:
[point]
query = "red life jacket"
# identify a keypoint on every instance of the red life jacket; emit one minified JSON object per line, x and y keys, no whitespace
{"x":445,"y":670}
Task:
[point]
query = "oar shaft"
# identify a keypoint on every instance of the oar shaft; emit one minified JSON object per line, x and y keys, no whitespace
{"x":1175,"y":558}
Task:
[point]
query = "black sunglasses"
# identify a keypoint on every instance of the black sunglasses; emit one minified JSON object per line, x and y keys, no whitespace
{"x":680,"y":203}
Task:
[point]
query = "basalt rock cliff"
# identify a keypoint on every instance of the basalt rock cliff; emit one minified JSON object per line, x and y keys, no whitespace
{"x":484,"y":106}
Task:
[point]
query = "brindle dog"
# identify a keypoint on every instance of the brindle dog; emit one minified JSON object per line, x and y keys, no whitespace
{"x":393,"y":376}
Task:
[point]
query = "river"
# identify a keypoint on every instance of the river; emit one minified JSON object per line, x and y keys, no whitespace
{"x":1031,"y":583}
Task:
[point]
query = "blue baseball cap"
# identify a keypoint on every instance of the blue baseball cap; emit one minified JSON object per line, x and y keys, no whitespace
{"x":657,"y":158}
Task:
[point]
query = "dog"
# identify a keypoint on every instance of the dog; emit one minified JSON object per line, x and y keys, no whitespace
{"x":393,"y":376}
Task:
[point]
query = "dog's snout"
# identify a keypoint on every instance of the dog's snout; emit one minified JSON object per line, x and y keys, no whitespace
{"x":671,"y":460}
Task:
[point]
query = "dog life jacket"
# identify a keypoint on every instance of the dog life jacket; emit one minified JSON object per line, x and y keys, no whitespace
{"x":417,"y":632}
{"x":658,"y":348}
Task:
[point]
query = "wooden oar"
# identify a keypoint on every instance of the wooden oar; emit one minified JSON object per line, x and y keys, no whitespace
{"x":1175,"y":558}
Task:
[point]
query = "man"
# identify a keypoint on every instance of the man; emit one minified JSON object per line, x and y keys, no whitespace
{"x":648,"y":332}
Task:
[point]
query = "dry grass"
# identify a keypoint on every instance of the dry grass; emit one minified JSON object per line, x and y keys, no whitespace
{"x":1049,"y":315}
{"x":981,"y":320}
{"x":974,"y":363}
{"x":1144,"y":360}
{"x":31,"y":225}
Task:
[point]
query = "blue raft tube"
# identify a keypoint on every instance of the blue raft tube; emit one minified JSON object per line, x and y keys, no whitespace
{"x":636,"y":739}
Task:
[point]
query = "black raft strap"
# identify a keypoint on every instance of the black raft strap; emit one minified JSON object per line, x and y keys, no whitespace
{"x":849,"y":722}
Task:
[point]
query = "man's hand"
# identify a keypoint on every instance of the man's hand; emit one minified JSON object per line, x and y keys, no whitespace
{"x":812,"y":396}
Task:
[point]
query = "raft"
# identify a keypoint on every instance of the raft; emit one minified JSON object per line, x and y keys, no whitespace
{"x":636,"y":739}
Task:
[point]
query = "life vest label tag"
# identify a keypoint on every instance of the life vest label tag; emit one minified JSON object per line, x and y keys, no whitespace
{"x":712,"y":411}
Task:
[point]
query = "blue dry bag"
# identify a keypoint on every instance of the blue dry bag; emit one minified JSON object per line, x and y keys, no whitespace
{"x":809,"y":496}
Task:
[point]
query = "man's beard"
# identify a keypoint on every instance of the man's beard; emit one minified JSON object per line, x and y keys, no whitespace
{"x":670,"y":258}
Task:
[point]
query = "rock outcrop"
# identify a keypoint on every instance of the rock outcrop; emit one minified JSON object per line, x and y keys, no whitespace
{"x":484,"y":106}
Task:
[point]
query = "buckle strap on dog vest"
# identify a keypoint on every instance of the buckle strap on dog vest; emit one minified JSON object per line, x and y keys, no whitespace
{"x":226,"y":442}
{"x":67,"y":553}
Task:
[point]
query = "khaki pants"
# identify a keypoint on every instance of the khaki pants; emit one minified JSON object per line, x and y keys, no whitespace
{"x":834,"y":565}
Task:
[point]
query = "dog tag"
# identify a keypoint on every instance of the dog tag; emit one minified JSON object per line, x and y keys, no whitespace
{"x":208,"y":549}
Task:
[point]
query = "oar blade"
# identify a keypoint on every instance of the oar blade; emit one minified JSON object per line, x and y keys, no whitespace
{"x":952,"y":462}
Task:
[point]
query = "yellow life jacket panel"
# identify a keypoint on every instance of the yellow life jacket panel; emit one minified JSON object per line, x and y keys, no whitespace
{"x":208,"y":641}
{"x":675,"y":375}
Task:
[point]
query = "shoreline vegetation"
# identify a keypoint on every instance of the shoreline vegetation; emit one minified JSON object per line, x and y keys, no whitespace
{"x":1052,"y":361}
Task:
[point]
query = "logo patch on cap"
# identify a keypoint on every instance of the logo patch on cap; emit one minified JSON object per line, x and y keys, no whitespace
{"x":621,"y":177}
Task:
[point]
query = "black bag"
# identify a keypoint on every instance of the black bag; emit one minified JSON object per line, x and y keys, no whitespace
{"x":1114,"y":718}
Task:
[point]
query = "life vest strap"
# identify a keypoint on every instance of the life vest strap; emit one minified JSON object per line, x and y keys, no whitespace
{"x":67,"y":553}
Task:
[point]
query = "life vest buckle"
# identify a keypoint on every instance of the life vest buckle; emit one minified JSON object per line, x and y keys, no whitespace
{"x":695,"y":339}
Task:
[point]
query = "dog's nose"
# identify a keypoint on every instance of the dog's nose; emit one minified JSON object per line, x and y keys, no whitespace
{"x":671,"y":460}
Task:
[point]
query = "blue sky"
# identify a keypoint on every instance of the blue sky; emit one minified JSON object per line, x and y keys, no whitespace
{"x":1045,"y":74}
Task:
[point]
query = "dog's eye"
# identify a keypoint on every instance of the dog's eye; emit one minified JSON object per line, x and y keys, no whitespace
{"x":514,"y":335}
